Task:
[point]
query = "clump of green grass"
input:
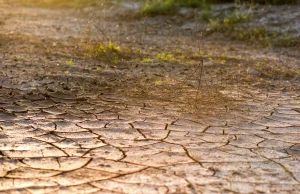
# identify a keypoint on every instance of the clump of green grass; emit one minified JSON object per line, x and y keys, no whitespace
{"x":156,"y":7}
{"x":228,"y":22}
{"x":70,"y":62}
{"x":165,"y":57}
{"x":233,"y":27}
{"x":287,"y":41}
{"x":275,"y":72}
{"x":260,"y":35}
{"x":206,"y":15}
{"x":229,"y":26}
{"x":237,"y":17}
{"x":104,"y":48}
{"x":108,"y":52}
{"x":146,"y":60}
{"x":111,"y":53}
{"x":271,"y":2}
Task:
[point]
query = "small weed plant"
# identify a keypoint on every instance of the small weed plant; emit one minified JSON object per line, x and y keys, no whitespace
{"x":228,"y":23}
{"x":103,"y":49}
{"x":275,"y":72}
{"x":157,"y":7}
{"x":109,"y":47}
{"x":146,"y":60}
{"x":270,"y":2}
{"x":165,"y":57}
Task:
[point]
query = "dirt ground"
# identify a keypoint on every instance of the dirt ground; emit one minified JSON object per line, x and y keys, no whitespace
{"x":178,"y":108}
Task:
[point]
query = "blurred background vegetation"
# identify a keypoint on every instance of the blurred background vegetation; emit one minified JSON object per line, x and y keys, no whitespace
{"x":232,"y":23}
{"x":153,"y":7}
{"x":61,"y":3}
{"x":158,"y":4}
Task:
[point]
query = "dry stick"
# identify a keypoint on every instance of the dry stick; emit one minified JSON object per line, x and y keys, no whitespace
{"x":200,"y":66}
{"x":197,"y":29}
{"x":199,"y":81}
{"x":189,"y":76}
{"x":103,"y":33}
{"x":142,"y":4}
{"x":239,"y":81}
{"x":108,"y":39}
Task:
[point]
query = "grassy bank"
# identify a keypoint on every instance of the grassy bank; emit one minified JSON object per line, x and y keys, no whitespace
{"x":155,"y":7}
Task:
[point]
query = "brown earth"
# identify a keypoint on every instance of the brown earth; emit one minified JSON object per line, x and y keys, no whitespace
{"x":217,"y":116}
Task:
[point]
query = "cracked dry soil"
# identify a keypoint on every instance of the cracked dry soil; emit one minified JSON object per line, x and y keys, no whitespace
{"x":83,"y":127}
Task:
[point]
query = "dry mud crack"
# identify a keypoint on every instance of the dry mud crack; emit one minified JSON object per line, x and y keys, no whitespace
{"x":63,"y":128}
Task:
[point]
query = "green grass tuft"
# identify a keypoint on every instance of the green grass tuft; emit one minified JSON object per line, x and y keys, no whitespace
{"x":271,"y":2}
{"x":165,"y":57}
{"x":105,"y":48}
{"x":157,"y":7}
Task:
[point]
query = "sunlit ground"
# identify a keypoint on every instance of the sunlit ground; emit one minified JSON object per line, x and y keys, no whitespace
{"x":102,"y":97}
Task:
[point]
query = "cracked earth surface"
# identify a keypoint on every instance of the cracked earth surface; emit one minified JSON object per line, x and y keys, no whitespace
{"x":55,"y":137}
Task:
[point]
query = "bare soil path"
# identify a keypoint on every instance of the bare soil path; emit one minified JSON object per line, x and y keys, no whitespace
{"x":75,"y":122}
